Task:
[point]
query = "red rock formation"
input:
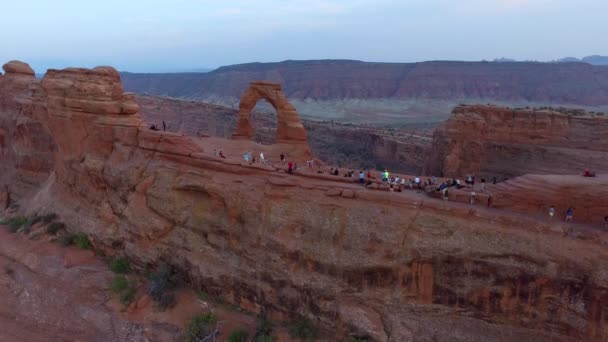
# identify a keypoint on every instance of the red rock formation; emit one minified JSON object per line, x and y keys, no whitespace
{"x":387,"y":265}
{"x":403,"y":149}
{"x":289,"y":127}
{"x":498,"y":141}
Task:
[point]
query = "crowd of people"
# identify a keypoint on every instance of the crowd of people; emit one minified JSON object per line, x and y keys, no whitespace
{"x":395,"y":183}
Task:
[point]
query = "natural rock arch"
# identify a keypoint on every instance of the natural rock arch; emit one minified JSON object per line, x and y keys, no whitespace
{"x":289,"y":126}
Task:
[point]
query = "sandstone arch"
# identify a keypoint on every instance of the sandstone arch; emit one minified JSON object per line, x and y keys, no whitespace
{"x":289,"y":126}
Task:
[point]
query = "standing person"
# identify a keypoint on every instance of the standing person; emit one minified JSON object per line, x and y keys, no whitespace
{"x":361,"y":177}
{"x":369,"y":176}
{"x":164,"y":126}
{"x":262,"y":159}
{"x":290,"y":168}
{"x":483,"y":184}
{"x":397,"y":180}
{"x":551,"y":211}
{"x":473,"y":194}
{"x":569,"y":214}
{"x":246,"y":157}
{"x":282,"y":158}
{"x":490,"y":201}
{"x":445,"y":194}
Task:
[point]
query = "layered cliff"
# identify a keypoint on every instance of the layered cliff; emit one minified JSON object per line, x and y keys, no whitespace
{"x":573,"y":83}
{"x":385,"y":265}
{"x":505,"y":142}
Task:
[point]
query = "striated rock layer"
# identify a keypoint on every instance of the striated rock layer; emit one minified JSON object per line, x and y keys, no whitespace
{"x":498,"y":141}
{"x":389,"y":266}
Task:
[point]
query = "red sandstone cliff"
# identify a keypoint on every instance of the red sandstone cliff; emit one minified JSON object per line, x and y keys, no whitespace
{"x":498,"y":141}
{"x":394,"y":267}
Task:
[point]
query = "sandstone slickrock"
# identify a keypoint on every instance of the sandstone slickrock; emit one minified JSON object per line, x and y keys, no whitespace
{"x":391,"y":266}
{"x":504,"y":142}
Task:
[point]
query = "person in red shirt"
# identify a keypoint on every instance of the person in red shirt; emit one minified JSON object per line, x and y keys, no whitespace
{"x":290,"y":167}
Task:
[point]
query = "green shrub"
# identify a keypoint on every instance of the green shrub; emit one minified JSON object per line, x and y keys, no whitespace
{"x":35,"y":220}
{"x":199,"y":327}
{"x":119,"y":283}
{"x":128,"y":295}
{"x":15,"y":223}
{"x":81,"y":240}
{"x":303,"y":329}
{"x":265,"y":326}
{"x":203,"y":296}
{"x":120,"y":265}
{"x":162,"y":282}
{"x":264,"y":338}
{"x":165,"y":301}
{"x":48,"y":218}
{"x":263,"y":331}
{"x":54,"y":227}
{"x":239,"y":335}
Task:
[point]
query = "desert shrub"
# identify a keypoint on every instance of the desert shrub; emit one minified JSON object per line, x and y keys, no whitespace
{"x":303,"y":329}
{"x":239,"y":335}
{"x":203,"y":296}
{"x":35,"y":220}
{"x":162,"y":281}
{"x":264,"y":338}
{"x":263,"y":331}
{"x":119,"y":283}
{"x":166,"y":301}
{"x":120,"y":265}
{"x":15,"y":223}
{"x":128,"y":295}
{"x":48,"y":218}
{"x":199,"y":327}
{"x":81,"y":240}
{"x":54,"y":227}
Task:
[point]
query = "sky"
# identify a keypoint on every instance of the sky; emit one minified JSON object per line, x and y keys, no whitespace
{"x":183,"y":35}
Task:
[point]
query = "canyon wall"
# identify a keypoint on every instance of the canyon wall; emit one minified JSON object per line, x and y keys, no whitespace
{"x":505,"y":142}
{"x":392,"y":267}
